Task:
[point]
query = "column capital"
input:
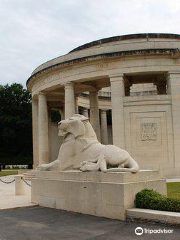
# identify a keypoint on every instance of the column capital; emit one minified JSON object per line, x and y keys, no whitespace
{"x":103,"y":111}
{"x":116,"y":77}
{"x":95,"y":90}
{"x":42,"y":94}
{"x":68,"y":84}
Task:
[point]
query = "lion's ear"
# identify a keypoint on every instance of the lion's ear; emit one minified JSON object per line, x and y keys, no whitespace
{"x":77,"y":128}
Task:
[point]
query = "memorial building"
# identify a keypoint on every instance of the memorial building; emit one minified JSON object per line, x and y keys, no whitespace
{"x":128,"y":86}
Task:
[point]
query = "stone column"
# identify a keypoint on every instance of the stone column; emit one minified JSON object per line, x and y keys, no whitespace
{"x":49,"y":133}
{"x":85,"y":112}
{"x":43,"y":130}
{"x":94,"y":113}
{"x":104,"y":131}
{"x":76,"y":104}
{"x":173,"y":89}
{"x":69,"y":100}
{"x":62,"y":113}
{"x":35,"y":133}
{"x":117,"y":95}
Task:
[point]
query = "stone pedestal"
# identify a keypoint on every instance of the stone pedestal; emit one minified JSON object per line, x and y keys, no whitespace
{"x":19,"y":185}
{"x":95,"y":193}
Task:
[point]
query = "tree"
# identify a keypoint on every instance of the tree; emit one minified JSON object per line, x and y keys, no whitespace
{"x":15,"y":125}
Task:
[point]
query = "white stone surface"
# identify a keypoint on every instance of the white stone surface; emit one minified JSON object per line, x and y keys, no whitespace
{"x":9,"y":200}
{"x":153,"y":215}
{"x":35,"y":133}
{"x":173,"y":180}
{"x":104,"y":130}
{"x":19,"y":185}
{"x":94,"y":193}
{"x":43,"y":135}
{"x":70,"y":106}
{"x":117,"y":94}
{"x":94,"y":113}
{"x":85,"y":112}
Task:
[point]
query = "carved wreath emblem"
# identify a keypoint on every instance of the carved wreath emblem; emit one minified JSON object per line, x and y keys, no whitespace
{"x":148,"y":131}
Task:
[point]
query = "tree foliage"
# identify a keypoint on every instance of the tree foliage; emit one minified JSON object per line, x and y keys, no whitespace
{"x":15,"y":125}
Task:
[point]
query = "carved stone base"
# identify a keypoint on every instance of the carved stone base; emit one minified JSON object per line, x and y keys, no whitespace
{"x":95,"y":193}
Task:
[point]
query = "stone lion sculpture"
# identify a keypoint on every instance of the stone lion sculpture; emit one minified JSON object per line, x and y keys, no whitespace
{"x":81,"y":150}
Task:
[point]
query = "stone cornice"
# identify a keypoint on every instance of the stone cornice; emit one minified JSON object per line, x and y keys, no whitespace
{"x":106,"y":56}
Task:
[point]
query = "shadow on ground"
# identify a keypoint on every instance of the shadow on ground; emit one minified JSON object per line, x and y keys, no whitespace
{"x":37,"y":223}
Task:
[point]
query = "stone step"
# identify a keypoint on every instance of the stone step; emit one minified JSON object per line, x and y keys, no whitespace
{"x":134,"y":214}
{"x":30,"y":175}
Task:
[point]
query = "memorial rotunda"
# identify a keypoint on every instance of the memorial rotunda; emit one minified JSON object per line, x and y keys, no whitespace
{"x":128,"y":86}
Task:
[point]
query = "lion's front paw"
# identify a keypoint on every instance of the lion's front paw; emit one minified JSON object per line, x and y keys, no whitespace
{"x":43,"y":167}
{"x":83,"y":167}
{"x":84,"y":163}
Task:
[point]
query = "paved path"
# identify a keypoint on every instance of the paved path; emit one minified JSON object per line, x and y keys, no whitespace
{"x":173,"y":180}
{"x":8,"y":199}
{"x":38,"y":223}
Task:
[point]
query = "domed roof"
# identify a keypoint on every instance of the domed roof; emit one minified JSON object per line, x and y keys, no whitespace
{"x":127,"y":37}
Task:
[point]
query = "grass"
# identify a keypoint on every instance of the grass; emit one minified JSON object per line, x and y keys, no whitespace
{"x":8,"y":172}
{"x":173,"y":190}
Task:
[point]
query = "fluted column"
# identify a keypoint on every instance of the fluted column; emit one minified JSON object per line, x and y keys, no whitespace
{"x":104,"y":131}
{"x":94,"y":113}
{"x":117,"y":95}
{"x":85,"y":112}
{"x":69,"y":100}
{"x":43,"y":130}
{"x":35,"y":133}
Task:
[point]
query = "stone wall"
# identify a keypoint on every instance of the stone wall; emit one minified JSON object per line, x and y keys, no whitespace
{"x":148,"y":132}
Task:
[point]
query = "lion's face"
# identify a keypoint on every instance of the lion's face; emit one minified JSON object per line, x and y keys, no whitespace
{"x":73,"y":125}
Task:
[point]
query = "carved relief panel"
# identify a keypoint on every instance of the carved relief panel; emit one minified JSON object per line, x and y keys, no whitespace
{"x":148,"y":131}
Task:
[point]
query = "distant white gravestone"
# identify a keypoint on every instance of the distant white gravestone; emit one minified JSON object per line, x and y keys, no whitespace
{"x":81,"y":150}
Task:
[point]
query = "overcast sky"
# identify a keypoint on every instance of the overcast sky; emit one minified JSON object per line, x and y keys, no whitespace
{"x":35,"y":31}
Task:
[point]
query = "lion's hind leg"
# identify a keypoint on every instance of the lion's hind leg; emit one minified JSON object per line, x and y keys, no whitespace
{"x":102,"y":163}
{"x":89,"y":166}
{"x":99,"y":165}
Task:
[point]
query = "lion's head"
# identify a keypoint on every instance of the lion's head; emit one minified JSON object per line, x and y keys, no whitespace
{"x":74,"y":125}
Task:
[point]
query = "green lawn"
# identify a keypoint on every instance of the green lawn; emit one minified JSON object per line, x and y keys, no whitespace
{"x":173,"y":190}
{"x":8,"y":172}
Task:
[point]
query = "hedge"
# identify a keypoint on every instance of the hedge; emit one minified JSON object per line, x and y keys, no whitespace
{"x":150,"y":199}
